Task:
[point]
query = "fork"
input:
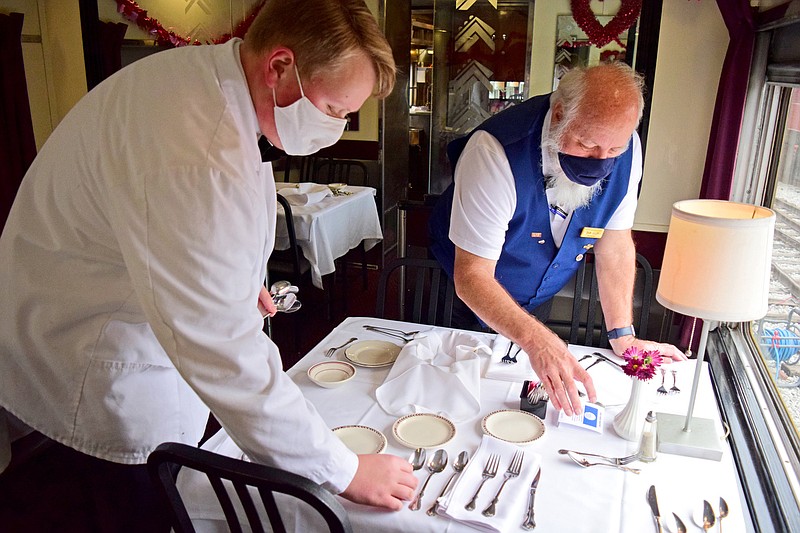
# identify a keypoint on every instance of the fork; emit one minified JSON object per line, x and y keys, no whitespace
{"x":489,"y":471}
{"x":514,"y":359}
{"x":513,"y":471}
{"x":507,"y":357}
{"x":662,"y":389}
{"x":674,"y":389}
{"x":330,"y":351}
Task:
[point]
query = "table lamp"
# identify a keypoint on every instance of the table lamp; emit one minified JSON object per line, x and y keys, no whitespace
{"x":716,"y":268}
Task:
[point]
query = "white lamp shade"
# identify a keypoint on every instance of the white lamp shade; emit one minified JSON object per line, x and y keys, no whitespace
{"x":717,"y":260}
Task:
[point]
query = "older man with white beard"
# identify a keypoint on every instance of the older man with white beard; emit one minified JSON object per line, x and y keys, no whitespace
{"x":535,"y":187}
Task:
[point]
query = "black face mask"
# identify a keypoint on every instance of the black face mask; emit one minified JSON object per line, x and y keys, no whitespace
{"x":586,"y":170}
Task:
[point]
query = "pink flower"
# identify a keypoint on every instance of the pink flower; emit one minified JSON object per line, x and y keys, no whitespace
{"x":641,"y":364}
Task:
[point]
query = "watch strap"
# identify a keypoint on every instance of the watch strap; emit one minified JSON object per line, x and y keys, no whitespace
{"x":621,"y":332}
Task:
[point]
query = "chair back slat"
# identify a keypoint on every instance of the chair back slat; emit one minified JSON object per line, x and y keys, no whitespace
{"x":587,"y":317}
{"x":225,"y":502}
{"x":424,"y":283}
{"x":253,"y":518}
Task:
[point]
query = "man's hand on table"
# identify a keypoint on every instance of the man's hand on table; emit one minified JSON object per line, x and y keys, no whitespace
{"x":667,"y":351}
{"x":382,"y":481}
{"x":558,"y":369}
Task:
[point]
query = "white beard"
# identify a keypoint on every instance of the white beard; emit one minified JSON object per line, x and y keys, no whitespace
{"x":568,"y":195}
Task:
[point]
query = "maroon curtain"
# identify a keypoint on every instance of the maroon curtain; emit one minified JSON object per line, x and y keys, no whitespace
{"x":17,"y":144}
{"x":739,"y":18}
{"x":726,"y":125}
{"x":110,"y":36}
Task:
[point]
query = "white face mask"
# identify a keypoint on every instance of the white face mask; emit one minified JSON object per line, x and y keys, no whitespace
{"x":303,"y":129}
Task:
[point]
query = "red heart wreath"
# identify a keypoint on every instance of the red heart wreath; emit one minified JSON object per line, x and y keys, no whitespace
{"x":598,"y":34}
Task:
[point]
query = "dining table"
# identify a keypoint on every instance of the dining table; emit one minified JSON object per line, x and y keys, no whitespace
{"x":330,"y":227}
{"x":483,"y":412}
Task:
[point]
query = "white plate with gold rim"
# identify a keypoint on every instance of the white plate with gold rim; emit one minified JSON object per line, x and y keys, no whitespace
{"x":423,"y":430}
{"x":372,"y":353}
{"x":361,"y":439}
{"x":512,"y":425}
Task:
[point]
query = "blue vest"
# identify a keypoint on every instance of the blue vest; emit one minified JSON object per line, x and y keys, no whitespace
{"x":530,"y":267}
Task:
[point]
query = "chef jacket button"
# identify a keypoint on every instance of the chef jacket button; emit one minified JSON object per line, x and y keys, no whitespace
{"x":542,"y":241}
{"x":579,"y":257}
{"x":555,"y":265}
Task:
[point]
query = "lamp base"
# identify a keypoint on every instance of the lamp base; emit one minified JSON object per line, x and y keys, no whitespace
{"x":702,"y":441}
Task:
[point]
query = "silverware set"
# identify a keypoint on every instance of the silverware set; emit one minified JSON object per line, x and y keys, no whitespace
{"x":600,"y":358}
{"x":709,"y":518}
{"x":662,"y":389}
{"x":405,"y":336}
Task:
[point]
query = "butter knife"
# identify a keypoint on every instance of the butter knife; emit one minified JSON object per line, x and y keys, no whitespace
{"x":608,"y":360}
{"x":653,"y":501}
{"x":530,"y":523}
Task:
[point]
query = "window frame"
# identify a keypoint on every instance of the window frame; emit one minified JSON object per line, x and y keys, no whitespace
{"x":763,"y":439}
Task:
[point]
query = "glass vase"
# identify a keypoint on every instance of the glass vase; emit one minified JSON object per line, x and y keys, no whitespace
{"x":630,"y":421}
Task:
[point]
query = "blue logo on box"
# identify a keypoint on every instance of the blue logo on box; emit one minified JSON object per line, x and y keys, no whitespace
{"x":591,"y":416}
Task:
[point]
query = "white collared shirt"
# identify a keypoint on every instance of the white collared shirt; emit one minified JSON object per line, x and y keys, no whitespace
{"x":130,"y":269}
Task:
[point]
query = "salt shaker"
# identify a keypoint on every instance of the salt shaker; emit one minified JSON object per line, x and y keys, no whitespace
{"x":647,"y":446}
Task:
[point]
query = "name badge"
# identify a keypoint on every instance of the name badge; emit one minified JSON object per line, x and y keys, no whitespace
{"x":592,"y":233}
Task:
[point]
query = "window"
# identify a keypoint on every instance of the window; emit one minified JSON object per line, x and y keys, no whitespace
{"x":757,"y":367}
{"x":778,"y":334}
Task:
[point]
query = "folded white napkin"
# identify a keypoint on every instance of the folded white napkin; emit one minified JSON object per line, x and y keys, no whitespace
{"x":439,"y":374}
{"x":517,"y":372}
{"x":305,"y":193}
{"x":510,"y":510}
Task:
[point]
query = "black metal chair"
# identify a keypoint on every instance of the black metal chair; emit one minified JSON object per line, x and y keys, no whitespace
{"x":587,"y":316}
{"x":288,"y":264}
{"x":417,"y":286}
{"x":348,"y":171}
{"x":239,"y":476}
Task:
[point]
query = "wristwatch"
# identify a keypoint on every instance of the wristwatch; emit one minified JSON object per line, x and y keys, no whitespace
{"x":621,"y":332}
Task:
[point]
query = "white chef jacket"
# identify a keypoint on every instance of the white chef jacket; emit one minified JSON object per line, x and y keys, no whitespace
{"x":480,"y":216}
{"x":130,"y":268}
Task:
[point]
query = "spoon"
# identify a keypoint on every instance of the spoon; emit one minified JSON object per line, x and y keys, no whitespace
{"x":436,"y":465}
{"x":708,"y":516}
{"x":284,"y":301}
{"x":723,"y":512}
{"x":417,"y":459}
{"x":458,"y":466}
{"x":586,"y":464}
{"x":280,"y":287}
{"x":295,"y":307}
{"x":680,"y":527}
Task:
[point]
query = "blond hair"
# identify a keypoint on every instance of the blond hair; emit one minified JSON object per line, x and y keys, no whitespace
{"x":324,"y":34}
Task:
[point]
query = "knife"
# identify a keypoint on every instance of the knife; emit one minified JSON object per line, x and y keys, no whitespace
{"x":653,"y":501}
{"x":608,"y":360}
{"x":530,"y":523}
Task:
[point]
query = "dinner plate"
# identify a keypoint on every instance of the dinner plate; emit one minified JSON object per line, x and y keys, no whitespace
{"x":361,"y":439}
{"x":423,"y":430}
{"x":511,"y":425}
{"x":372,"y":353}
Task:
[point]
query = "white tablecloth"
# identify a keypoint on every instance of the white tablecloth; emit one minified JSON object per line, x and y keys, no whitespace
{"x":569,"y":498}
{"x":328,"y":229}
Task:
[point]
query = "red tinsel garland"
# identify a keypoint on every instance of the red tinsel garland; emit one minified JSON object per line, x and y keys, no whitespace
{"x":598,"y":34}
{"x":134,"y":13}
